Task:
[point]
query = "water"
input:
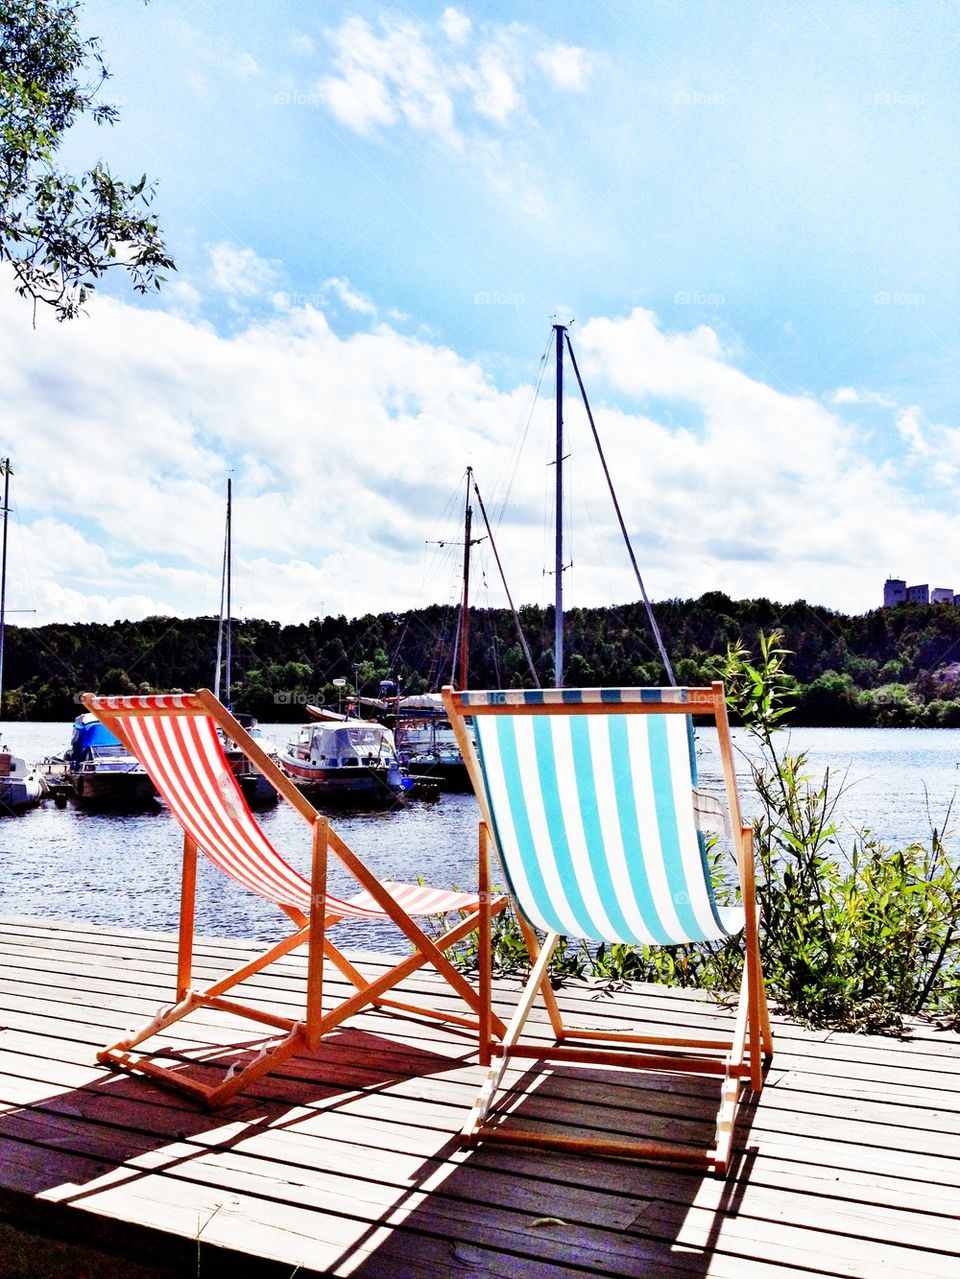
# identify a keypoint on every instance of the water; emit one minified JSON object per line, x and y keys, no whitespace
{"x":123,"y":869}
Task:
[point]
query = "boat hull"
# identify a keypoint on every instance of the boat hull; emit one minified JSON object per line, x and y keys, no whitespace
{"x":449,"y":774}
{"x":118,"y":790}
{"x":364,"y":784}
{"x":19,"y":793}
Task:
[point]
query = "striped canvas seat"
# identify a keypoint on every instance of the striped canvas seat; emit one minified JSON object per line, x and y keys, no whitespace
{"x":178,"y":739}
{"x":595,"y":821}
{"x":184,"y":756}
{"x":591,"y":798}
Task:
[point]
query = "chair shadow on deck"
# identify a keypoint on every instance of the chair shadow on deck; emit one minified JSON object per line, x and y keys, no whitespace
{"x":555,"y":1208}
{"x":417,"y":1201}
{"x":102,"y":1140}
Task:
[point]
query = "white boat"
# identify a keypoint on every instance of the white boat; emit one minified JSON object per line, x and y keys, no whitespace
{"x":21,"y":785}
{"x":426,"y":743}
{"x":351,"y":760}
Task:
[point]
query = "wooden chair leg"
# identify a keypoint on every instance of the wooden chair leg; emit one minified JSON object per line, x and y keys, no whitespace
{"x":485,"y":946}
{"x":188,"y":897}
{"x":491,"y":1085}
{"x":318,"y":897}
{"x":549,"y":998}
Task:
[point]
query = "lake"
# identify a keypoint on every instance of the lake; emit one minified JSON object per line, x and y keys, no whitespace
{"x":123,"y":869}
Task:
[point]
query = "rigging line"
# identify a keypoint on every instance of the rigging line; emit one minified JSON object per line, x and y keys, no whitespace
{"x":623,"y":528}
{"x":503,"y":579}
{"x":520,"y":442}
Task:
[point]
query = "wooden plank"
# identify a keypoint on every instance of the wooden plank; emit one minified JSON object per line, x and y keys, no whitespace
{"x":848,"y":1170}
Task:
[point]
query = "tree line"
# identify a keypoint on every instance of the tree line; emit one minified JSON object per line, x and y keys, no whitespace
{"x":897,"y":666}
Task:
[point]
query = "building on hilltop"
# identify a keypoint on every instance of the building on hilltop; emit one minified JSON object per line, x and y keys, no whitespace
{"x":896,"y":591}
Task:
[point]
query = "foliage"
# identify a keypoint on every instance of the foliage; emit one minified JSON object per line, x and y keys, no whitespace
{"x":859,"y":938}
{"x":843,"y":670}
{"x":61,"y":232}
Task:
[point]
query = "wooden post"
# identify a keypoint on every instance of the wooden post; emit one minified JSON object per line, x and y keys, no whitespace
{"x":318,"y":906}
{"x":188,"y":898}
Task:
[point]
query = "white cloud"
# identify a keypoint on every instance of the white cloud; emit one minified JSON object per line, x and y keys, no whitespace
{"x":303,"y":44}
{"x":345,"y":450}
{"x":456,"y":25}
{"x":495,"y":95}
{"x":566,"y":66}
{"x":850,"y":395}
{"x":910,"y":427}
{"x":384,"y":78}
{"x":349,"y":296}
{"x":421,"y":76}
{"x":239,"y":272}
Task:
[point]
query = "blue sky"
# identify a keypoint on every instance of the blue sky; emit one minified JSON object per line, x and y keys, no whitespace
{"x":749,"y":211}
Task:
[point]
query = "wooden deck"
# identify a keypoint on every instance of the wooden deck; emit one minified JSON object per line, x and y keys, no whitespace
{"x":347,"y":1164}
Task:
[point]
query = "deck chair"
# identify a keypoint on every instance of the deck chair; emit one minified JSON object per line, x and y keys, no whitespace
{"x":591,"y":799}
{"x":176,"y":738}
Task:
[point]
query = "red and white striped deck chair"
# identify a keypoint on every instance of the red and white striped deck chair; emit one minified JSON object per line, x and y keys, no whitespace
{"x":175,"y":737}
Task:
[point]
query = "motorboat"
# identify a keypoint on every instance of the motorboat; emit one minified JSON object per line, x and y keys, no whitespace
{"x":426,"y":743}
{"x":101,"y":772}
{"x":257,"y":790}
{"x":21,"y":785}
{"x":353,"y":760}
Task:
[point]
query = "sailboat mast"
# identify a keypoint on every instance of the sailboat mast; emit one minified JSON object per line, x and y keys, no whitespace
{"x":465,"y":609}
{"x":3,"y":569}
{"x":559,"y":330}
{"x":228,"y":555}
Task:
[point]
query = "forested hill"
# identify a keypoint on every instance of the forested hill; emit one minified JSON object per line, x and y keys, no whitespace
{"x":896,"y":666}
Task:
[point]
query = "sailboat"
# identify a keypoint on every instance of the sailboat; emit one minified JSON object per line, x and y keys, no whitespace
{"x":21,"y":786}
{"x":256,"y":789}
{"x":425,"y":740}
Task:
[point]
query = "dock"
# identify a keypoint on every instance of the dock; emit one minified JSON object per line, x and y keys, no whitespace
{"x":347,"y":1161}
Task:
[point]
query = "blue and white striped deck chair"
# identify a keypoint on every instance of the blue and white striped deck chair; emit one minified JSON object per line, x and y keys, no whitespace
{"x":590,"y":796}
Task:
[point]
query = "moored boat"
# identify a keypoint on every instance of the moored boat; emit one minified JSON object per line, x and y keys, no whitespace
{"x":101,"y":772}
{"x":257,"y":790}
{"x":426,"y":743}
{"x":354,"y":761}
{"x":21,"y":785}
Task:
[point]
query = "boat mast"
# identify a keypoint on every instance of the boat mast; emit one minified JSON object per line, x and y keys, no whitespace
{"x":224,"y":606}
{"x":229,"y":556}
{"x":5,"y":465}
{"x":559,"y":330}
{"x":465,"y":608}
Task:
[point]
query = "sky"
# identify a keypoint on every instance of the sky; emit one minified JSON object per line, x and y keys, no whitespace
{"x":746,"y":212}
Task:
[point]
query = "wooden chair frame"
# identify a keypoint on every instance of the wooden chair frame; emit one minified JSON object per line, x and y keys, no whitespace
{"x":310,"y":930}
{"x":738,"y":1059}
